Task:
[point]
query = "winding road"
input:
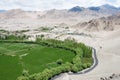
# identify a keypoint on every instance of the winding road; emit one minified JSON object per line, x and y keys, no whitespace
{"x":95,"y":63}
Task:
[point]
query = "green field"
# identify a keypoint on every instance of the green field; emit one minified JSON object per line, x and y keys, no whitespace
{"x":34,"y":58}
{"x":10,"y":68}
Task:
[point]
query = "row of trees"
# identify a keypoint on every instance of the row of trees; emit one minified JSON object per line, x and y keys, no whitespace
{"x":13,"y":37}
{"x":48,"y":73}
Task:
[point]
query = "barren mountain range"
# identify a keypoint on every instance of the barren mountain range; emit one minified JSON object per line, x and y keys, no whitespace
{"x":75,"y":12}
{"x":105,"y":17}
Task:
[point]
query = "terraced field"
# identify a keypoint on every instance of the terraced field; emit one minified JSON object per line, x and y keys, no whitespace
{"x":18,"y":57}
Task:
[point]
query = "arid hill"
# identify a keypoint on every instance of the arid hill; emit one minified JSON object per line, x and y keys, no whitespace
{"x":102,"y":24}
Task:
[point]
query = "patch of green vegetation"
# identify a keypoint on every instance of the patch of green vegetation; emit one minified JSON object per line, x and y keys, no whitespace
{"x":13,"y":37}
{"x":22,"y":31}
{"x":10,"y":68}
{"x":3,"y":31}
{"x":81,"y":61}
{"x":66,"y":27}
{"x":13,"y":48}
{"x":38,"y":58}
{"x":45,"y":58}
{"x":44,"y":29}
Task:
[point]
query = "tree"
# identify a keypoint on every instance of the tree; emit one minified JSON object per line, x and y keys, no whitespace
{"x":22,"y":78}
{"x":74,"y":69}
{"x":59,"y":61}
{"x":25,"y":73}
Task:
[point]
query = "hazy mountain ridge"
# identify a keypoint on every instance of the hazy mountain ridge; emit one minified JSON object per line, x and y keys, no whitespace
{"x":101,"y":9}
{"x":73,"y":13}
{"x":76,"y":9}
{"x":14,"y":13}
{"x":1,"y":11}
{"x":78,"y":12}
{"x":90,"y":19}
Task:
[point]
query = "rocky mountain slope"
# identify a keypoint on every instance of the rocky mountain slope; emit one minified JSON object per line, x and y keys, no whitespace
{"x":102,"y":24}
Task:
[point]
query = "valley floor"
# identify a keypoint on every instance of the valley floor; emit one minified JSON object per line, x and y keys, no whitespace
{"x":106,"y":43}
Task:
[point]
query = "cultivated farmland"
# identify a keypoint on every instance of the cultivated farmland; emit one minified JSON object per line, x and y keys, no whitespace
{"x":34,"y":58}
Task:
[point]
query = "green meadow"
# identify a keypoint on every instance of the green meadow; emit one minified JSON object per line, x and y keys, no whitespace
{"x":15,"y":58}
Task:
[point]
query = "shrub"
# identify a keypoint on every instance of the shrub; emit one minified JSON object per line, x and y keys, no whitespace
{"x":84,"y":66}
{"x":74,"y":69}
{"x":67,"y":67}
{"x":42,"y":35}
{"x":59,"y":61}
{"x":25,"y":73}
{"x":89,"y":64}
